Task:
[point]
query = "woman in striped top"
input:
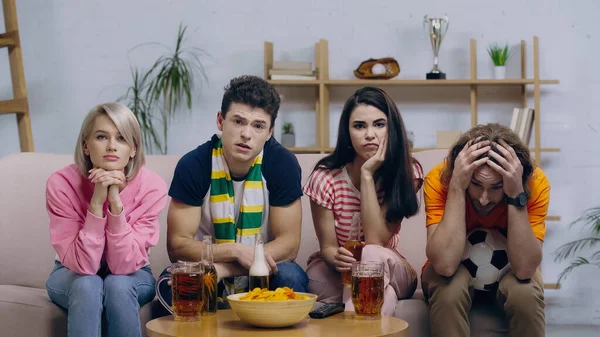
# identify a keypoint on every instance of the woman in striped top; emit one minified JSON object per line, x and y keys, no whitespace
{"x":370,"y":173}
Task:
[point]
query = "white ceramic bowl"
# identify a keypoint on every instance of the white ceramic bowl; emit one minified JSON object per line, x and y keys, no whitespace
{"x":275,"y":314}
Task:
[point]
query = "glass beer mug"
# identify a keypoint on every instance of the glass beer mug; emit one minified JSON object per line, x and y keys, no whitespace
{"x":367,"y":289}
{"x":187,"y":288}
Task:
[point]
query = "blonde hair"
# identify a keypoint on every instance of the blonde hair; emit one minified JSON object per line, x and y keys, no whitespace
{"x":128,"y":126}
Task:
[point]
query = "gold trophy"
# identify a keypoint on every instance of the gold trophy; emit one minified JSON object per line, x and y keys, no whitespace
{"x":436,"y":28}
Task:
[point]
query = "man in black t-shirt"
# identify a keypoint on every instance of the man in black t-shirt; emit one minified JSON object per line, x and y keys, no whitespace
{"x":246,"y":120}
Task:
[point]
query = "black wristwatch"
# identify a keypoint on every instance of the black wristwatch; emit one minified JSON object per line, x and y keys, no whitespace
{"x":520,"y":200}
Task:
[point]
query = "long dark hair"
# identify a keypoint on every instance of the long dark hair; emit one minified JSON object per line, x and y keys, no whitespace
{"x":395,"y":175}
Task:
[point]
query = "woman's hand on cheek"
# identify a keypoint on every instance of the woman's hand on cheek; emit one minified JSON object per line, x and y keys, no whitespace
{"x":373,"y":163}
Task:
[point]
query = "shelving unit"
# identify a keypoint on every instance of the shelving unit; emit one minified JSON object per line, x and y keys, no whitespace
{"x":324,"y":83}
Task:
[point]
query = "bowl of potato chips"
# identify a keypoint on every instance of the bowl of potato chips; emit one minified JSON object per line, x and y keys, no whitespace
{"x":277,"y":308}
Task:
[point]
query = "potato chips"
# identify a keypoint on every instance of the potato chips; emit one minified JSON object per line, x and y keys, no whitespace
{"x":266,"y":295}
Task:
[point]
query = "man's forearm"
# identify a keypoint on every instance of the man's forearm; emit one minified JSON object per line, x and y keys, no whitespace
{"x":284,"y":248}
{"x":524,"y":249}
{"x":446,"y":245}
{"x":187,"y":249}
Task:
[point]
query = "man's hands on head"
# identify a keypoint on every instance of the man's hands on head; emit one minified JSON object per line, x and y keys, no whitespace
{"x":510,"y":168}
{"x":466,"y":163}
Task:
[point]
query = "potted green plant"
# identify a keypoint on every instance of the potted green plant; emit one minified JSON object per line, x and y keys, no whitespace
{"x":157,"y":94}
{"x":572,"y":250}
{"x":143,"y":110}
{"x":288,"y":138}
{"x":499,"y":55}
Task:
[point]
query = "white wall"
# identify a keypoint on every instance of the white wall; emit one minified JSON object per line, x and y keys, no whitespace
{"x":76,"y":55}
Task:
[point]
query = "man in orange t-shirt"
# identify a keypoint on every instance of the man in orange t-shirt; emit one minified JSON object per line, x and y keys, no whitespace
{"x":488,"y":180}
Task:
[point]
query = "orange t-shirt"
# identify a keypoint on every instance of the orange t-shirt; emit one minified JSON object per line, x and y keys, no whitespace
{"x":537,"y":206}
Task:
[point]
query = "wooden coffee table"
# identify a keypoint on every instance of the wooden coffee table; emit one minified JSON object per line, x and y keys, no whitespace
{"x":226,"y":323}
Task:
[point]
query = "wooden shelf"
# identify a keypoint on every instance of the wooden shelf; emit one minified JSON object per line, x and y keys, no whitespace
{"x":413,"y":82}
{"x":418,"y":149}
{"x":323,"y":83}
{"x":307,"y":149}
{"x":554,"y":286}
{"x":295,"y":82}
{"x":437,"y":83}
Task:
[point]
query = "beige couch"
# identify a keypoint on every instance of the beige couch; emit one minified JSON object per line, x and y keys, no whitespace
{"x":26,"y":256}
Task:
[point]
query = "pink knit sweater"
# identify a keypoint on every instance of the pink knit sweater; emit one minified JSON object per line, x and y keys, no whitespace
{"x":83,"y":241}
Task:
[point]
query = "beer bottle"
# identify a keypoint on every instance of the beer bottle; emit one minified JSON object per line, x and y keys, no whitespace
{"x":353,"y":245}
{"x":259,"y":270}
{"x":209,"y":295}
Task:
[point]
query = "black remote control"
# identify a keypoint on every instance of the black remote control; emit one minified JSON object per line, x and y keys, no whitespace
{"x":327,"y":309}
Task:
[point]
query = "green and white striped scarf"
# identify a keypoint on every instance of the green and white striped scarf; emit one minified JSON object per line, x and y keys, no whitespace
{"x":222,"y":200}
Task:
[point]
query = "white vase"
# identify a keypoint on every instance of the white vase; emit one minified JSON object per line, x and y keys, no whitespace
{"x":288,"y":139}
{"x":499,"y":72}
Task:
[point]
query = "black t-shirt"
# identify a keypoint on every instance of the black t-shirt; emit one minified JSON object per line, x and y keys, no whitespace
{"x":280,"y":170}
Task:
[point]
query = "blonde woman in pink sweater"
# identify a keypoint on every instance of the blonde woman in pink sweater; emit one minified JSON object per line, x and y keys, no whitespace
{"x":103,"y":219}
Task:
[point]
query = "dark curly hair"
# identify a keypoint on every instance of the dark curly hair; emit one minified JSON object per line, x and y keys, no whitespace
{"x":254,"y":91}
{"x":492,"y":132}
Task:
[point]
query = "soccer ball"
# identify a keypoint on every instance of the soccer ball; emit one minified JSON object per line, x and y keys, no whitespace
{"x":485,"y":257}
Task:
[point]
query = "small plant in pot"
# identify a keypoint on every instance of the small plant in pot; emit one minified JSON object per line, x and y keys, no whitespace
{"x":288,"y":138}
{"x":499,"y":55}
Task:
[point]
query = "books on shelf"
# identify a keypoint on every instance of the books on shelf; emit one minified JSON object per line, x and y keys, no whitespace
{"x":300,"y":72}
{"x":292,"y":65}
{"x":522,"y":123}
{"x":293,"y":77}
{"x":292,"y":70}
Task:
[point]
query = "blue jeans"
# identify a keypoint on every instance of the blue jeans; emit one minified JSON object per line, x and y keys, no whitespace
{"x":87,"y":297}
{"x":289,"y":274}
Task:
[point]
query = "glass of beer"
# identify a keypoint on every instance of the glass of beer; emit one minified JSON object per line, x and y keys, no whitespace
{"x":353,"y":245}
{"x":187,"y":288}
{"x":367,"y":289}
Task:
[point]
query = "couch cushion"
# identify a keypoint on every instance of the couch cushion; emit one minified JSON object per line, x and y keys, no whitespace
{"x":27,"y":296}
{"x":416,"y":313}
{"x":485,"y":320}
{"x":27,"y":255}
{"x":28,"y":311}
{"x":165,"y":167}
